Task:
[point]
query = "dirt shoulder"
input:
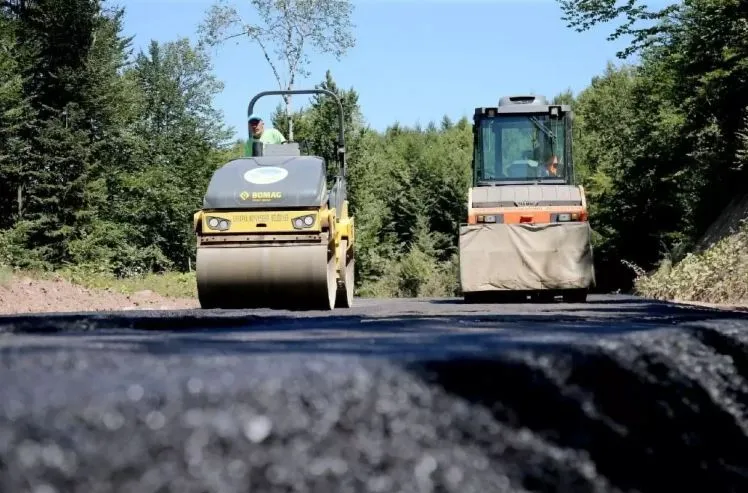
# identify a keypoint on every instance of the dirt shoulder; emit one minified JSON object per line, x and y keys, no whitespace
{"x":740,"y":307}
{"x":22,"y":294}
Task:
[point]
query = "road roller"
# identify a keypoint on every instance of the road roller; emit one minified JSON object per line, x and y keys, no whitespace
{"x":274,"y":231}
{"x":527,"y":232}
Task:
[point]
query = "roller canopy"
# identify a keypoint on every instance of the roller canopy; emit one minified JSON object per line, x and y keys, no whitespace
{"x":268,"y":182}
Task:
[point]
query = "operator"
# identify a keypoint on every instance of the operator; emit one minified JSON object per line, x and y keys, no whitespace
{"x":552,"y":165}
{"x":260,"y":134}
{"x":546,"y":166}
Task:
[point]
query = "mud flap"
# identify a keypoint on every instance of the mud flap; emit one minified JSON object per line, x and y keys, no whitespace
{"x":518,"y":257}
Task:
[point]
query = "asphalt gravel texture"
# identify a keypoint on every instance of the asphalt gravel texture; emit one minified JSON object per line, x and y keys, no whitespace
{"x":618,"y":394}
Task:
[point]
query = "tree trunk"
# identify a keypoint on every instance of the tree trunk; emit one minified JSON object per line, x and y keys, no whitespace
{"x":20,"y":202}
{"x":288,"y":117}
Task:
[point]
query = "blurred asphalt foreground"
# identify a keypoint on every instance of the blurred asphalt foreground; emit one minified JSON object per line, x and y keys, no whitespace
{"x":618,"y":394}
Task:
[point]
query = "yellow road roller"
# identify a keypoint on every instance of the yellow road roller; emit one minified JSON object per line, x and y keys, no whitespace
{"x":527,"y":230}
{"x":273,"y":233}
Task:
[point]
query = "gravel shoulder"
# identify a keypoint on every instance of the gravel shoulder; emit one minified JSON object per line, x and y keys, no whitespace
{"x":22,"y":294}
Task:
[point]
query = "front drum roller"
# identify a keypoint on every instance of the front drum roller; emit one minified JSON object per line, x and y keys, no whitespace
{"x":285,"y":277}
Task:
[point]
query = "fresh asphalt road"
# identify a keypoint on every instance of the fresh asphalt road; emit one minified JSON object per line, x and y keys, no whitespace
{"x":616,"y":394}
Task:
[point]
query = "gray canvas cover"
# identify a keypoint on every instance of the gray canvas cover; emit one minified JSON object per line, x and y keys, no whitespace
{"x":526,"y":195}
{"x":268,"y":182}
{"x":525,"y":256}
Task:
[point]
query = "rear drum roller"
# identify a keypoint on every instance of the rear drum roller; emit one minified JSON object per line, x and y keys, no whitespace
{"x":347,"y":277}
{"x":285,"y":277}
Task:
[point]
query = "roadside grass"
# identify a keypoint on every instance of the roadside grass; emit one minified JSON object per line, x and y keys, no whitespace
{"x":719,"y":274}
{"x":6,"y":275}
{"x":170,"y":284}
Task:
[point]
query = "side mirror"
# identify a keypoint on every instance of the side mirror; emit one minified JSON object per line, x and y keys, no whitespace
{"x":257,"y":148}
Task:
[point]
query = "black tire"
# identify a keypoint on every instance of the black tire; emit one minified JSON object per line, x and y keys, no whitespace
{"x":344,"y":297}
{"x":544,"y":296}
{"x":471,"y":298}
{"x":575,"y":296}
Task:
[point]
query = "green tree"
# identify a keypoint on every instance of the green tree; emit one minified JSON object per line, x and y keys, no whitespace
{"x":684,"y":112}
{"x":180,"y":137}
{"x":323,"y":120}
{"x":709,"y":60}
{"x":15,"y":112}
{"x":60,"y":67}
{"x":645,"y":27}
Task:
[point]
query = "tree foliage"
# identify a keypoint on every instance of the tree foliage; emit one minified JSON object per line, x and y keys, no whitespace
{"x":105,"y":154}
{"x":15,"y":110}
{"x":108,"y":154}
{"x":661,"y":141}
{"x":583,"y":15}
{"x":285,"y":31}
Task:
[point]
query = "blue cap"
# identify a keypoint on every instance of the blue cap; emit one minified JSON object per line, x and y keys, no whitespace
{"x":254,"y":117}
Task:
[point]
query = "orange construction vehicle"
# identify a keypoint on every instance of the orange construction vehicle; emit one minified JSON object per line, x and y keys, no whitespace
{"x":527,"y":230}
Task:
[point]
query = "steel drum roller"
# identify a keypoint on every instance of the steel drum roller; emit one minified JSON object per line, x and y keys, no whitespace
{"x":298,"y":276}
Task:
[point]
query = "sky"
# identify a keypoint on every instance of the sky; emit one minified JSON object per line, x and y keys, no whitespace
{"x":414,"y":60}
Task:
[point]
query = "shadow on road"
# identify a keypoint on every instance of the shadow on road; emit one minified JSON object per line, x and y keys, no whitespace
{"x":594,"y":300}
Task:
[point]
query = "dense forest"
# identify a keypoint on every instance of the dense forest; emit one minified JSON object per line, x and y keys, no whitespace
{"x":105,"y":153}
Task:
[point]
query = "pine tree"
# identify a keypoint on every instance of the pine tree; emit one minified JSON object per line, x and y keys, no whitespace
{"x":15,"y":114}
{"x":58,"y":35}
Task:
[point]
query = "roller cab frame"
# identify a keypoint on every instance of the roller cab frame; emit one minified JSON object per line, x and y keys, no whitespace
{"x":527,"y":229}
{"x":272,"y":232}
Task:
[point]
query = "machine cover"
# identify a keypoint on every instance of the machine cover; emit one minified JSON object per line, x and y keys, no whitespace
{"x":525,"y":256}
{"x":268,"y":182}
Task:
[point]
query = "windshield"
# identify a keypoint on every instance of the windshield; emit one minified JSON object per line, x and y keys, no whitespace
{"x":526,"y":147}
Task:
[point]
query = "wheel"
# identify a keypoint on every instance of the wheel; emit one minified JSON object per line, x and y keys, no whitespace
{"x":347,"y":280}
{"x":544,"y":296}
{"x":470,"y":298}
{"x":575,"y":296}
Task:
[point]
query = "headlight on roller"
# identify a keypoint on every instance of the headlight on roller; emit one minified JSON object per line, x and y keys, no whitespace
{"x":493,"y":218}
{"x":218,"y":223}
{"x":303,"y":222}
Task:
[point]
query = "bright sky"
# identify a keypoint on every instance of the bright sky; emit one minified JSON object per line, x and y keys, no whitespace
{"x":414,"y":60}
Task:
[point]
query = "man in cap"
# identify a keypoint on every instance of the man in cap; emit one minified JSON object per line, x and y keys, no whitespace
{"x":260,"y":134}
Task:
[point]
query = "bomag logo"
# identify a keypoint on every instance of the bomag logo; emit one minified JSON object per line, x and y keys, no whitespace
{"x":260,"y":196}
{"x":266,"y":196}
